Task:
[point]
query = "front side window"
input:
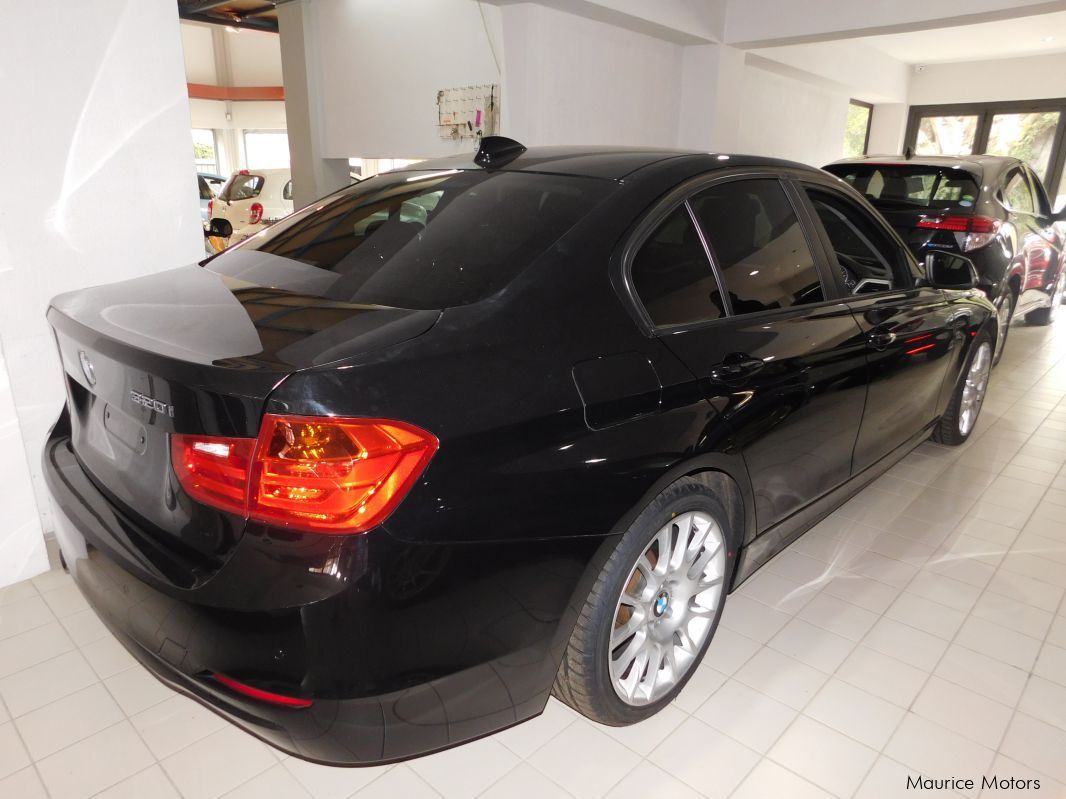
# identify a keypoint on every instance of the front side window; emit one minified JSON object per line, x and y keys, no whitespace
{"x":758,"y":245}
{"x":868,"y":260}
{"x":242,"y":187}
{"x":672,"y":276}
{"x":1016,"y":193}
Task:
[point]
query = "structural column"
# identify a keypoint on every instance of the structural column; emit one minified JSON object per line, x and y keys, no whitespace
{"x":312,"y":175}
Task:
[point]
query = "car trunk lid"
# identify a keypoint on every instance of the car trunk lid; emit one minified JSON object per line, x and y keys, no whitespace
{"x":195,"y":352}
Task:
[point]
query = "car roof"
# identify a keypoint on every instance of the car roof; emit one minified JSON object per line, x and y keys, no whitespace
{"x":980,"y":164}
{"x":613,"y":163}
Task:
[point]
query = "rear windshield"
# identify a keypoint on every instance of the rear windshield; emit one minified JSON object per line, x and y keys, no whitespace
{"x":242,"y":187}
{"x":419,"y":240}
{"x":205,"y":189}
{"x":911,"y":185}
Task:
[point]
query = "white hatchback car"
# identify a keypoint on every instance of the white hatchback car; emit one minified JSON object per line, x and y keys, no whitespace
{"x":252,"y":199}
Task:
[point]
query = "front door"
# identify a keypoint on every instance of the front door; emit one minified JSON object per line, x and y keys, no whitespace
{"x":912,"y":331}
{"x":755,"y":325}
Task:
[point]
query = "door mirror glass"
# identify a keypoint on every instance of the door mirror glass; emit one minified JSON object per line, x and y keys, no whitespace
{"x":220,"y":227}
{"x":948,"y":270}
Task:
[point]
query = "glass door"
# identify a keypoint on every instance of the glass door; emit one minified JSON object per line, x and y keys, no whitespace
{"x":946,"y":135}
{"x":1028,"y":137}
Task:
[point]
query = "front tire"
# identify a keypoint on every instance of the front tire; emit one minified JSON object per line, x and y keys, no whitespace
{"x":1004,"y":316}
{"x":653,"y":609}
{"x":960,"y":418}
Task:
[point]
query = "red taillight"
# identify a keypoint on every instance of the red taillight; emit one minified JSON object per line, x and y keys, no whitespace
{"x":960,"y":224}
{"x":320,"y":474}
{"x":213,"y":470}
{"x":260,"y":694}
{"x":255,"y":214}
{"x":210,"y":208}
{"x":243,"y":172}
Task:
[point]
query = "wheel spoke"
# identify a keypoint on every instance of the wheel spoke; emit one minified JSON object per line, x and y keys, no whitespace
{"x":619,"y":635}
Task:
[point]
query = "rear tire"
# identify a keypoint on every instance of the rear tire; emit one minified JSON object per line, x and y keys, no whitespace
{"x":1045,"y":316}
{"x":960,"y":419}
{"x":661,"y":620}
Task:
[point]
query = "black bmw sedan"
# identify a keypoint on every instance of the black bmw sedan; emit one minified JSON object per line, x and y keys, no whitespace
{"x":991,"y":208}
{"x":385,"y":476}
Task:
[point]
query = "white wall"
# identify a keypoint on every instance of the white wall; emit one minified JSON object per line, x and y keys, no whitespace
{"x":255,"y":58}
{"x":381,"y":65}
{"x":199,"y":53}
{"x":751,"y":22}
{"x":248,"y":114}
{"x":102,"y":130}
{"x":785,"y":117}
{"x":570,"y":80}
{"x":1032,"y":78}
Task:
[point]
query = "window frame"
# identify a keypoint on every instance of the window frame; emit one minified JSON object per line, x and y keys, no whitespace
{"x":622,"y":275}
{"x":869,"y":124}
{"x":984,"y":113}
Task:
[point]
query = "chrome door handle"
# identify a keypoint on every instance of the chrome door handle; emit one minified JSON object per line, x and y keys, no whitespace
{"x":881,"y":339}
{"x":735,"y":367}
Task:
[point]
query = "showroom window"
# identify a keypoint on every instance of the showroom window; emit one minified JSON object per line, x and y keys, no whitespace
{"x":857,"y":130}
{"x":673,"y":277}
{"x":266,"y":149}
{"x":758,"y":245}
{"x":1032,"y":131}
{"x":205,"y":151}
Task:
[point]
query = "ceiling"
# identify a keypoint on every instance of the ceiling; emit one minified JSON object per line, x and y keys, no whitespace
{"x":1020,"y":36}
{"x":256,"y":14}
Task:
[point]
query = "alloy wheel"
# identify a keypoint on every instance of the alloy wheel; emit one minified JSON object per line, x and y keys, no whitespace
{"x":667,"y":608}
{"x":973,"y":391}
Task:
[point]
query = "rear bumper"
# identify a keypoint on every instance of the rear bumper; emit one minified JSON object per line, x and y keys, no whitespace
{"x":403,"y":649}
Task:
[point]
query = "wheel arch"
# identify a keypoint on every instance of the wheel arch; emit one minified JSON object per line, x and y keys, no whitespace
{"x":726,"y":476}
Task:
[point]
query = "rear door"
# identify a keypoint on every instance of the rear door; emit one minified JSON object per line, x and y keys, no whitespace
{"x":912,"y":331}
{"x":1037,"y":247}
{"x":730,"y":284}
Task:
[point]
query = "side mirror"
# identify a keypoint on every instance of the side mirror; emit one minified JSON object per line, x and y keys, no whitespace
{"x":220,"y":227}
{"x":948,"y":270}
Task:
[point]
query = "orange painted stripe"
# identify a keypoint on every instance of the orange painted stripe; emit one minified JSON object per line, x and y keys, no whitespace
{"x":205,"y":91}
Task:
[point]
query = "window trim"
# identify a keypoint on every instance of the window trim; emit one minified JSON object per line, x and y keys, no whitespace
{"x":869,"y":124}
{"x":984,"y":113}
{"x":622,"y":273}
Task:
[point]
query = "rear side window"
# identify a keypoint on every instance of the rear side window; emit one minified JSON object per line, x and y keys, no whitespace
{"x":911,"y":185}
{"x":1016,"y":193}
{"x":672,"y":276}
{"x":242,"y":187}
{"x":758,"y":245}
{"x":421,"y":241}
{"x":286,"y":193}
{"x":205,"y":189}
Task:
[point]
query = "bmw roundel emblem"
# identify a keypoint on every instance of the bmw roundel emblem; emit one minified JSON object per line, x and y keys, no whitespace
{"x":87,"y":367}
{"x":661,"y":603}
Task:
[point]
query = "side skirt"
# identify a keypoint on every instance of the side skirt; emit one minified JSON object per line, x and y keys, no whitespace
{"x":774,"y":540}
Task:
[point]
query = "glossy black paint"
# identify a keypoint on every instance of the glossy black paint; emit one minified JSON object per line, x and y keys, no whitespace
{"x":560,"y":413}
{"x":1025,"y":259}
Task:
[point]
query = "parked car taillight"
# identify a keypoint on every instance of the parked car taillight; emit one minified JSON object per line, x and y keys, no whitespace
{"x":971,"y":232}
{"x":210,"y":209}
{"x":320,"y":474}
{"x":255,"y":213}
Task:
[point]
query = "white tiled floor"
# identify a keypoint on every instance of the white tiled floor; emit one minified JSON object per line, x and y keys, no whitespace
{"x":920,"y":628}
